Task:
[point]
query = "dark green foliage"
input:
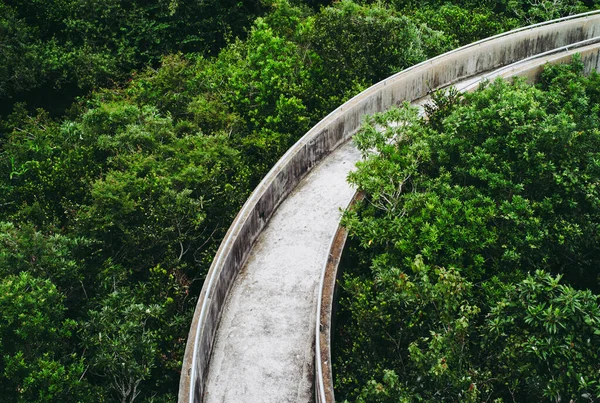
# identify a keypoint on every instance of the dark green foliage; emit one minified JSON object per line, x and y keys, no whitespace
{"x":531,"y":12}
{"x":121,"y":337}
{"x":495,"y":194}
{"x":126,"y":200}
{"x":118,"y":208}
{"x":60,"y":49}
{"x":360,"y":45}
{"x":464,"y":25}
{"x":122,"y":207}
{"x":19,"y":59}
{"x":54,"y":257}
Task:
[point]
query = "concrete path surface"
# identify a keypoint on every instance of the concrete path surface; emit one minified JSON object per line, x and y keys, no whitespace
{"x":264,"y":350}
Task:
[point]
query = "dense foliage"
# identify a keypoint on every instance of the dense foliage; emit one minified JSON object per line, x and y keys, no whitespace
{"x":476,"y":248}
{"x":55,"y":50}
{"x":112,"y":206}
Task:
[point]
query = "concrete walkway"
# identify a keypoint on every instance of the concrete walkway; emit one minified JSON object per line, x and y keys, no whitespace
{"x":264,"y":350}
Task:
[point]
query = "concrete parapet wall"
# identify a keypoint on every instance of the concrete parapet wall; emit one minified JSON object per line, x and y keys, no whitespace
{"x":326,"y":136}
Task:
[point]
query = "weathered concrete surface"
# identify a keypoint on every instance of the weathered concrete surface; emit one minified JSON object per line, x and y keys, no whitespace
{"x":323,"y":138}
{"x":264,"y":346}
{"x":532,"y":68}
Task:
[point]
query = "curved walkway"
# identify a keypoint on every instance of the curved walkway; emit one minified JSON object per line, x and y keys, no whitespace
{"x":264,"y":347}
{"x":263,"y":343}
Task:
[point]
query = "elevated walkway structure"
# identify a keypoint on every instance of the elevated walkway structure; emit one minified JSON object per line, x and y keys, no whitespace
{"x":257,"y":333}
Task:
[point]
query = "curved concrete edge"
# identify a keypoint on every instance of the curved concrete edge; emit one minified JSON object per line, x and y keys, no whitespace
{"x":326,"y":313}
{"x":530,"y":69}
{"x":327,"y":135}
